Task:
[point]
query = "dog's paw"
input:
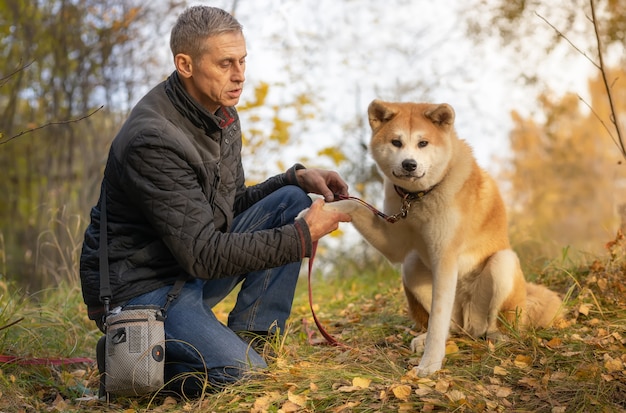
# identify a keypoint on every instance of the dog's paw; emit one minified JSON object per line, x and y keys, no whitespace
{"x":346,"y":206}
{"x":418,"y":343}
{"x":426,"y":368}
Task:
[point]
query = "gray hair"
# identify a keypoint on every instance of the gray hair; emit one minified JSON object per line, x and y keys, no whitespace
{"x":196,"y":24}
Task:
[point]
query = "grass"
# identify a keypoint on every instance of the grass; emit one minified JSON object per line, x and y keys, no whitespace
{"x":577,"y":366}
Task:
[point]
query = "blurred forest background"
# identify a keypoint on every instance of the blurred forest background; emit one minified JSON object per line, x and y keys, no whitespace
{"x":70,"y":70}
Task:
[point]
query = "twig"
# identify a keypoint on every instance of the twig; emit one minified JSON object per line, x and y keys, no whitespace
{"x":12,"y":323}
{"x":558,"y":32}
{"x":63,"y":122}
{"x":4,"y":79}
{"x":619,"y":141}
{"x":609,"y":94}
{"x":600,"y":119}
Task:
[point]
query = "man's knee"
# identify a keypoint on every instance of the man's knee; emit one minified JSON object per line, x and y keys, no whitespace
{"x":296,"y":196}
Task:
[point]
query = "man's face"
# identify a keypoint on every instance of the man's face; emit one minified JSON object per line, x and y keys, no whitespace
{"x":216,"y":78}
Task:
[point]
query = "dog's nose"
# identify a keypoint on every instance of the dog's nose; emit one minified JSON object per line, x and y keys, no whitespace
{"x":409,"y":165}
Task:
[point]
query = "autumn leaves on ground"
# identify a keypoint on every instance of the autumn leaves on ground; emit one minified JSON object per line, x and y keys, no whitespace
{"x":577,"y":366}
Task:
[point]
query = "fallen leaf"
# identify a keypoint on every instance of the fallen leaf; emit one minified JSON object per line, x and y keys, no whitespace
{"x":423,"y":390}
{"x":402,"y":391}
{"x":348,"y":406}
{"x":361,"y":382}
{"x":262,"y":404}
{"x":442,"y":386}
{"x":613,"y":365}
{"x":554,"y":343}
{"x":451,"y":347}
{"x":455,"y":395}
{"x":500,"y":371}
{"x":522,"y":361}
{"x":298,"y":399}
{"x":289,"y":407}
{"x":406,"y":407}
{"x":504,"y":391}
{"x":583,"y":309}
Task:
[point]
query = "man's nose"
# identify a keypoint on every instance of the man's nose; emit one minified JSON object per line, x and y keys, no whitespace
{"x":238,"y":72}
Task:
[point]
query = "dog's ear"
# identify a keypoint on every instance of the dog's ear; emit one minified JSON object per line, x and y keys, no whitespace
{"x":380,"y":112}
{"x":441,"y":114}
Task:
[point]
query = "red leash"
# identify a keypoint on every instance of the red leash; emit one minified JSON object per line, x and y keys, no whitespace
{"x":406,"y":204}
{"x":45,"y":361}
{"x":329,"y":338}
{"x":34,"y":361}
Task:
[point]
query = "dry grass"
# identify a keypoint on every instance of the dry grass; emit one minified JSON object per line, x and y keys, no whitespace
{"x":577,"y":366}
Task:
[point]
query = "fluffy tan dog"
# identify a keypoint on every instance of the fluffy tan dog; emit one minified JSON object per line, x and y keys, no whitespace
{"x":458,"y":269}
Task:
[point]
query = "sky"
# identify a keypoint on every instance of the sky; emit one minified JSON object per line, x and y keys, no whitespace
{"x":346,"y":53}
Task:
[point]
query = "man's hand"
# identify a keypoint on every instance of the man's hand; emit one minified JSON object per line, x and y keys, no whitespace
{"x":322,"y":182}
{"x":322,"y":222}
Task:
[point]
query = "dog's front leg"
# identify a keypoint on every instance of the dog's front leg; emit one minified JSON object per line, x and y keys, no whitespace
{"x":444,"y":289}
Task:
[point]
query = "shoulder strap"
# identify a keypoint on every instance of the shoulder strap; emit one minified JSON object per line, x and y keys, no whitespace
{"x":105,"y":286}
{"x":174,"y":292}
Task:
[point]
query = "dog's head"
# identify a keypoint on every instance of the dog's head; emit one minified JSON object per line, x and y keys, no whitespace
{"x":412,"y":143}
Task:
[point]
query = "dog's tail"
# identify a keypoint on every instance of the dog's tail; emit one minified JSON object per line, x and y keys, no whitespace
{"x":543,"y":306}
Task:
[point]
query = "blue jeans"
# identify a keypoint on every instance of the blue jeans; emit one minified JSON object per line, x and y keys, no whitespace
{"x":197,"y":342}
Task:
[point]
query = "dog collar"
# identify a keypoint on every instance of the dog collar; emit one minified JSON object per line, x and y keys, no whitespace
{"x":411,"y":196}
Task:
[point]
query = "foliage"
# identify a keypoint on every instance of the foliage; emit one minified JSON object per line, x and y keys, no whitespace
{"x":516,"y":20}
{"x":565,"y":177}
{"x":61,"y":61}
{"x":577,"y":366}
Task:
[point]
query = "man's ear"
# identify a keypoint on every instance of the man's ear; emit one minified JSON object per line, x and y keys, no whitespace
{"x":184,"y":65}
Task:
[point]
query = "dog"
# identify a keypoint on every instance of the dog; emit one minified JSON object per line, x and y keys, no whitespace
{"x":458,"y":269}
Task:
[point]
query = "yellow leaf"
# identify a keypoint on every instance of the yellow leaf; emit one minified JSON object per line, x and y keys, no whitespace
{"x":298,"y":399}
{"x":361,"y":382}
{"x":442,"y":386}
{"x":289,"y":407}
{"x":345,"y":407}
{"x":456,"y":396}
{"x":451,"y":347}
{"x":500,"y":371}
{"x":612,"y":365}
{"x":522,"y":361}
{"x":554,"y":343}
{"x":504,"y":391}
{"x":583,"y":309}
{"x":313,"y":387}
{"x":402,"y":391}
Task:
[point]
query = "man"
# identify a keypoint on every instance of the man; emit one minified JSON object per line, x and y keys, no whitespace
{"x":177,"y":204}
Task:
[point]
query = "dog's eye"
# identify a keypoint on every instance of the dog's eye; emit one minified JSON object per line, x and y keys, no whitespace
{"x":422,"y":144}
{"x":397,"y":143}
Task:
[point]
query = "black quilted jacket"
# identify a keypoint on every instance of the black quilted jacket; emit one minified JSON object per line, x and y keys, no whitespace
{"x":174,"y":181}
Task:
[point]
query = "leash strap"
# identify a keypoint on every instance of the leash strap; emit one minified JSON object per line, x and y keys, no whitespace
{"x":406,"y":204}
{"x":329,"y":338}
{"x":54,"y":361}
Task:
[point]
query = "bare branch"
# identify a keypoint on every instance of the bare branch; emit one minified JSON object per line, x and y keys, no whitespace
{"x":609,"y":93}
{"x":600,"y":119}
{"x":4,"y":79}
{"x":64,"y":122}
{"x":558,"y":32}
{"x":600,"y":66}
